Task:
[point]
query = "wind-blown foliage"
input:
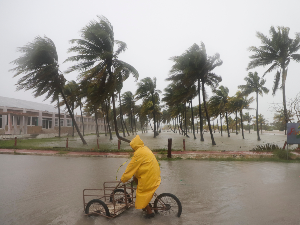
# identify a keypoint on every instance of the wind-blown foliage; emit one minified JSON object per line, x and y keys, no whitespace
{"x":40,"y":69}
{"x":254,"y":84}
{"x":147,"y":91}
{"x":278,"y":51}
{"x":96,"y":60}
{"x":194,"y":66}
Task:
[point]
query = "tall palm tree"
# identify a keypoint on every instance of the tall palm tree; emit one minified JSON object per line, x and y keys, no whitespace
{"x":248,"y":118}
{"x":220,"y":102}
{"x":177,"y":93}
{"x":147,"y":89}
{"x":194,"y":66}
{"x":277,"y":51}
{"x":128,"y":106}
{"x":238,"y":103}
{"x":254,"y":84}
{"x":71,"y":93}
{"x":39,"y":64}
{"x":96,"y":59}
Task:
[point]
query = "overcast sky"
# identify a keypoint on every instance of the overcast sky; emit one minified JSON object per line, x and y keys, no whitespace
{"x":154,"y":31}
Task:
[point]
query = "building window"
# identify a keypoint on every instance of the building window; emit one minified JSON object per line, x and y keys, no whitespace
{"x":28,"y":120}
{"x":45,"y":124}
{"x":61,"y":122}
{"x":0,"y":121}
{"x":34,"y":121}
{"x":18,"y":121}
{"x":56,"y":122}
{"x":69,"y":122}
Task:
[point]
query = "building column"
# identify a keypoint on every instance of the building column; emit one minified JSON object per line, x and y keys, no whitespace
{"x":53,"y":120}
{"x":40,"y":119}
{"x":65,"y":120}
{"x":9,"y":126}
{"x":24,"y":123}
{"x":4,"y":118}
{"x":14,"y":124}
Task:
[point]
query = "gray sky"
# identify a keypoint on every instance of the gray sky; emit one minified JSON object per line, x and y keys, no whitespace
{"x":154,"y":31}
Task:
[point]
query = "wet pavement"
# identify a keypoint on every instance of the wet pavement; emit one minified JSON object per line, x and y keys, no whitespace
{"x":48,"y":190}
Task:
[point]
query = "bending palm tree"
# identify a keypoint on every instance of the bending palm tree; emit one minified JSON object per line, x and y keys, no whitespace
{"x":278,"y":51}
{"x":147,"y":88}
{"x":254,"y":84}
{"x":220,"y":101}
{"x":96,"y":59}
{"x":194,"y":66}
{"x":39,"y":64}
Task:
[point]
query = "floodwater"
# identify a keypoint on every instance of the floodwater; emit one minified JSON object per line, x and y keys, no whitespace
{"x":232,"y":143}
{"x":48,"y":190}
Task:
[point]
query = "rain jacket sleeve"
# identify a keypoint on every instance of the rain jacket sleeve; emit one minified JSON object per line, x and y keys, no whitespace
{"x":132,"y":167}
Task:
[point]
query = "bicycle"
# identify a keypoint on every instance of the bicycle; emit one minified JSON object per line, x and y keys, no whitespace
{"x":116,"y":197}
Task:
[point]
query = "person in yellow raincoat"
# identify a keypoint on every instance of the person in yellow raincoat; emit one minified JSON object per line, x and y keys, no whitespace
{"x":145,"y":168}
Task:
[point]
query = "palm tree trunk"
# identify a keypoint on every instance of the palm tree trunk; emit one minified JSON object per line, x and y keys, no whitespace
{"x":72,"y":116}
{"x":258,"y":138}
{"x":207,"y":116}
{"x":227,"y":124}
{"x":73,"y":123}
{"x":200,"y":113}
{"x":249,"y":125}
{"x":105,"y":127}
{"x":82,"y":119}
{"x":185,"y":119}
{"x":131,"y":122}
{"x":241,"y":113}
{"x":96,"y":120}
{"x":107,"y":119}
{"x":193,"y":121}
{"x":121,"y":115}
{"x":154,"y":116}
{"x":236,"y":132}
{"x":115,"y":121}
{"x":221,"y":125}
{"x":126,"y":128}
{"x":284,"y":73}
{"x":58,"y":116}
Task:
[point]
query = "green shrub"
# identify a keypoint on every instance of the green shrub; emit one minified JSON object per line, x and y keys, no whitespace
{"x":283,"y":154}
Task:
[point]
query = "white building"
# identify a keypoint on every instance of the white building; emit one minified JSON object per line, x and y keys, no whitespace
{"x":26,"y":117}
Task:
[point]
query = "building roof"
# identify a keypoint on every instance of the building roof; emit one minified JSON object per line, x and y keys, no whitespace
{"x":28,"y":105}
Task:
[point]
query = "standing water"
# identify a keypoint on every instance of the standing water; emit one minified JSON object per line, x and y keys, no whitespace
{"x":48,"y":190}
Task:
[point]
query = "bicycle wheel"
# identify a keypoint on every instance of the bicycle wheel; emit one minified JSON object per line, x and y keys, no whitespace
{"x":97,"y":207}
{"x":118,"y":196}
{"x":167,"y":204}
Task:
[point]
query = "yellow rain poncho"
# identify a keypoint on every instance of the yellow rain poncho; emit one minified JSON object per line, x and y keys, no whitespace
{"x":145,"y":168}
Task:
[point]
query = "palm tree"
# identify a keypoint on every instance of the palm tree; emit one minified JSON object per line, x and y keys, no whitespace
{"x":147,"y":89}
{"x":194,"y":66}
{"x":278,"y":51}
{"x":220,"y":101}
{"x":71,"y":90}
{"x":96,"y":59}
{"x":128,"y":106}
{"x":177,"y":93}
{"x":248,"y":118}
{"x":254,"y":84}
{"x":39,"y":64}
{"x":238,"y":103}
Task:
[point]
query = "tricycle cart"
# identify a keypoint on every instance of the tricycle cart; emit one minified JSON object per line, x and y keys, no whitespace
{"x":116,"y":197}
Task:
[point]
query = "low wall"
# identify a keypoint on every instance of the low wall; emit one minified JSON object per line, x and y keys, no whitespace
{"x":34,"y":130}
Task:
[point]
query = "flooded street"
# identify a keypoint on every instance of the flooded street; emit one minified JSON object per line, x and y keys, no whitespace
{"x":48,"y":190}
{"x":232,"y":143}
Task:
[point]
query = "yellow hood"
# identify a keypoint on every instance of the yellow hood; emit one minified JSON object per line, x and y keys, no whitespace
{"x":136,"y":143}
